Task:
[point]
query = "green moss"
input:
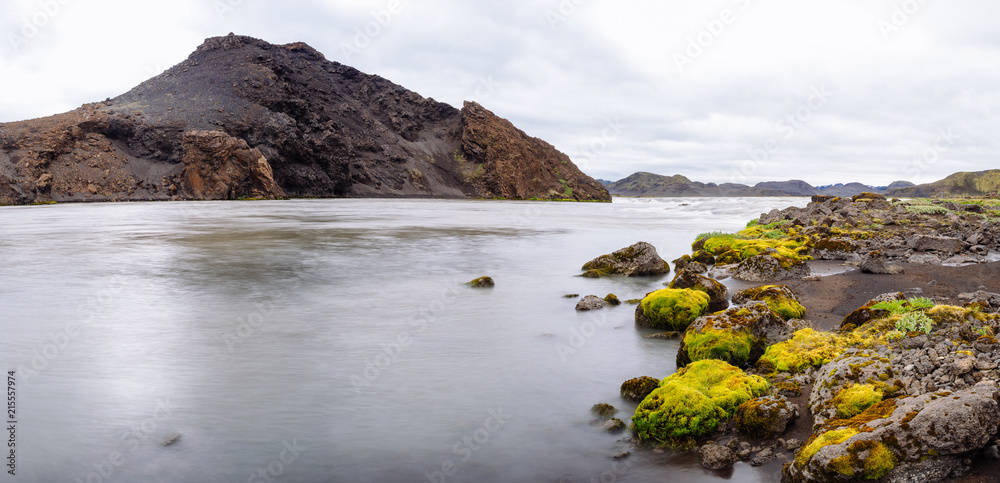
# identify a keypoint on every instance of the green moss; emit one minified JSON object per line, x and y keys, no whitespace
{"x":807,"y":348}
{"x":482,"y":282}
{"x":612,"y":299}
{"x":732,"y":346}
{"x":693,"y":401}
{"x":756,"y":418}
{"x":854,"y":399}
{"x":674,"y":309}
{"x":638,"y":388}
{"x":821,"y":441}
{"x":879,"y":461}
{"x":779,"y":298}
{"x":752,"y":242}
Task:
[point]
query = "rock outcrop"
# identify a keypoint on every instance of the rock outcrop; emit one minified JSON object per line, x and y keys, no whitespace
{"x":218,"y":166}
{"x":325,"y":129}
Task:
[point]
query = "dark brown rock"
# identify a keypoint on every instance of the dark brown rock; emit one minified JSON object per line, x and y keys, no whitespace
{"x":218,"y":166}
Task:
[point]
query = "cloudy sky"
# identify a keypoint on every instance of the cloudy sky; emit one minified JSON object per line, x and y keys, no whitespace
{"x":717,"y":90}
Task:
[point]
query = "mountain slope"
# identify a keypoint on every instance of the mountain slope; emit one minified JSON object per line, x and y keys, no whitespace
{"x":292,"y":124}
{"x":650,"y":184}
{"x":979,"y":183}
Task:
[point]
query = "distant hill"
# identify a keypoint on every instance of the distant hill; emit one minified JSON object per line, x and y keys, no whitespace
{"x":655,"y":185}
{"x":979,"y":183}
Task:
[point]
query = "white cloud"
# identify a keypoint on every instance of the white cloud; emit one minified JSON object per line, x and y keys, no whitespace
{"x":894,"y":90}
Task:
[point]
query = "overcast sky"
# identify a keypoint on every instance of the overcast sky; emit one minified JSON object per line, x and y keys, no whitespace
{"x":717,"y":90}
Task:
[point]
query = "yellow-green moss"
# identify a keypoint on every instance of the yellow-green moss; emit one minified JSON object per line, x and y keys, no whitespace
{"x":947,"y":313}
{"x":732,"y":346}
{"x":854,"y":399}
{"x":807,"y":348}
{"x":821,"y":441}
{"x":674,"y":309}
{"x":756,"y":418}
{"x":692,"y":402}
{"x":879,"y":462}
{"x":779,"y":298}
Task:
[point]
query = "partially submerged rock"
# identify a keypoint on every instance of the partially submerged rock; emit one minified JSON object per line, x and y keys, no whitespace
{"x":591,"y":302}
{"x":672,"y":309}
{"x":637,"y":260}
{"x":482,"y":282}
{"x":715,"y":457}
{"x":638,"y":388}
{"x":717,"y":292}
{"x":693,"y":401}
{"x":779,"y":298}
{"x":738,"y":336}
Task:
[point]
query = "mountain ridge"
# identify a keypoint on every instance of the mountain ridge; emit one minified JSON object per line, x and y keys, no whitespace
{"x":643,"y":184}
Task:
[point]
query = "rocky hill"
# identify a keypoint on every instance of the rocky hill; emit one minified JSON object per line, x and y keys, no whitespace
{"x":244,"y":118}
{"x":649,"y":184}
{"x":980,"y":183}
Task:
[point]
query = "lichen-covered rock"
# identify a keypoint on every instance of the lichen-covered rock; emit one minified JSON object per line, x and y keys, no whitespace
{"x":717,"y":292}
{"x":637,"y":260}
{"x":693,"y":401}
{"x":638,"y":388}
{"x":852,"y":368}
{"x":769,"y":268}
{"x":764,"y":418}
{"x":612,"y":299}
{"x":482,"y":282}
{"x":779,"y":298}
{"x":738,"y":336}
{"x":806,"y":349}
{"x":672,"y":309}
{"x":591,"y":302}
{"x":715,"y":457}
{"x":906,"y":439}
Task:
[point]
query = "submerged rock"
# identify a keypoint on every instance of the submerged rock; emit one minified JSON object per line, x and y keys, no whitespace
{"x":603,"y":411}
{"x":591,"y":302}
{"x":482,"y":282}
{"x":637,"y":260}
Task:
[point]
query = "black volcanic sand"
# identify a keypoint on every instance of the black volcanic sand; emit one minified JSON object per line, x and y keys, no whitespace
{"x":833,"y":297}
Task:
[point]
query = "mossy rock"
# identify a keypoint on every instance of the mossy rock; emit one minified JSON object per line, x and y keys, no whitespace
{"x":771,"y":267}
{"x":854,"y":399}
{"x":638,"y":388}
{"x":692,"y":402}
{"x":764,"y":418}
{"x":603,"y":411}
{"x":865,"y":312}
{"x":780,"y":298}
{"x":672,"y":309}
{"x":717,"y":292}
{"x":482,"y":282}
{"x":612,"y":299}
{"x":703,"y":257}
{"x":637,"y":260}
{"x":738,"y":336}
{"x":807,"y":348}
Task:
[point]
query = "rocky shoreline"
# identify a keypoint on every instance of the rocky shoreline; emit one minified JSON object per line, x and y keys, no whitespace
{"x":887,"y":372}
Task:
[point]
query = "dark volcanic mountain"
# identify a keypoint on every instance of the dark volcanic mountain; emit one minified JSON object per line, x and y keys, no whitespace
{"x":244,"y":118}
{"x":649,"y":184}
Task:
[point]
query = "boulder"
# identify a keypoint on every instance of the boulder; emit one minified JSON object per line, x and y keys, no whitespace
{"x":874,"y":262}
{"x":931,"y":243}
{"x":591,"y":302}
{"x":779,"y":298}
{"x":905,"y":439}
{"x":738,"y":336}
{"x":638,"y":388}
{"x":764,"y":418}
{"x":693,"y":401}
{"x":217,"y":166}
{"x":715,"y":457}
{"x":847,"y":384}
{"x":770,"y":268}
{"x":482,"y":282}
{"x":637,"y":260}
{"x":865,"y":313}
{"x":672,"y":309}
{"x":717,"y":292}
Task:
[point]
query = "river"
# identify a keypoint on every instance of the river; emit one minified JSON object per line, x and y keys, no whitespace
{"x":335,"y":340}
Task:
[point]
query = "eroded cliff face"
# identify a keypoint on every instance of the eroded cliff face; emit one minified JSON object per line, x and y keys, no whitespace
{"x":322,"y":128}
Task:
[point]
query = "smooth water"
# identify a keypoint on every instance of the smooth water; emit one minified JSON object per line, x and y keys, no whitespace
{"x":334,"y":340}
